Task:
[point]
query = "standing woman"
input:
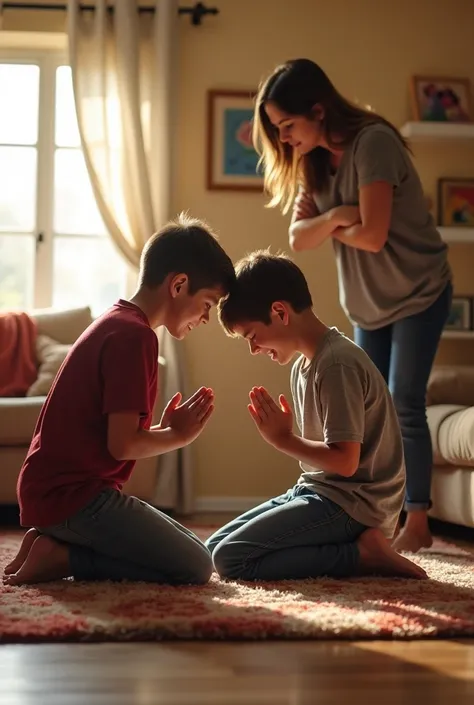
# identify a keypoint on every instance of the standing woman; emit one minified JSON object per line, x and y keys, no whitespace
{"x":348,"y":174}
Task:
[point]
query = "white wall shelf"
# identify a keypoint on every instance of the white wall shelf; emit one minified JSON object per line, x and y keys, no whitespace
{"x":439,"y":131}
{"x":459,"y":234}
{"x":425,"y":131}
{"x":458,"y":335}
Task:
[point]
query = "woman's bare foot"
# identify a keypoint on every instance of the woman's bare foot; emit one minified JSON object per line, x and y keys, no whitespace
{"x":47,"y":560}
{"x":415,"y":534}
{"x":377,"y":557}
{"x":27,"y":542}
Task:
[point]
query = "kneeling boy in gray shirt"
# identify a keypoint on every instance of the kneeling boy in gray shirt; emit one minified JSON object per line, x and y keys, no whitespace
{"x":338,"y":517}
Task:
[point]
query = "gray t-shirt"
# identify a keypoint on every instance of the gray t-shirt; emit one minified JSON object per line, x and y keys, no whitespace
{"x":341,"y":396}
{"x":411,"y":270}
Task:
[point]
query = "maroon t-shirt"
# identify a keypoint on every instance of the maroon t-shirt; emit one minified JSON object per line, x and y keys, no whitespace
{"x":112,"y":367}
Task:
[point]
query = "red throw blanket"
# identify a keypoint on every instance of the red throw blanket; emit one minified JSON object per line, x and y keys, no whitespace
{"x":17,"y":354}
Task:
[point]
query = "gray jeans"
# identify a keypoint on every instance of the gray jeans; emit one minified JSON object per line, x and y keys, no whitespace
{"x":116,"y":537}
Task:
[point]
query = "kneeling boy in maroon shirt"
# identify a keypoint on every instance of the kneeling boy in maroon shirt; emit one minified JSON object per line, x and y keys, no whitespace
{"x":95,"y":424}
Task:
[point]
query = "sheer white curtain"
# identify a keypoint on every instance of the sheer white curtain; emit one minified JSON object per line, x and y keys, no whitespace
{"x":123,"y":65}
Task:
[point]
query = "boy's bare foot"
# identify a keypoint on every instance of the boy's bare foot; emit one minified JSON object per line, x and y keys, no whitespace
{"x":415,"y":534}
{"x":47,"y":560}
{"x":27,"y":542}
{"x":377,"y":557}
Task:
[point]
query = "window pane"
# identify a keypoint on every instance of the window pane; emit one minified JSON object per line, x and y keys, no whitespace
{"x":67,"y":133}
{"x":19,"y":89}
{"x":17,"y":254}
{"x":75,"y":209}
{"x":17,"y":188}
{"x":87,"y":272}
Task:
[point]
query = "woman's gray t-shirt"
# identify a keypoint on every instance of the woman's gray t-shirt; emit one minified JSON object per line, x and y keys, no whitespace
{"x":411,"y":270}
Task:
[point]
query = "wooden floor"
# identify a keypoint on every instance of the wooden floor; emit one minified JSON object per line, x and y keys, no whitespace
{"x":283,"y":673}
{"x":269,"y":673}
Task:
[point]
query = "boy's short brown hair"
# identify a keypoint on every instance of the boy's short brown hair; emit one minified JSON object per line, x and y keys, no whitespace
{"x":262,"y":279}
{"x":188,"y":246}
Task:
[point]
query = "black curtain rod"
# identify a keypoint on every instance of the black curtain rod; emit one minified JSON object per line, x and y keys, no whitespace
{"x":197,"y":12}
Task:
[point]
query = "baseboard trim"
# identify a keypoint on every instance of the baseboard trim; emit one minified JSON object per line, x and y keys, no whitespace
{"x":227,"y":504}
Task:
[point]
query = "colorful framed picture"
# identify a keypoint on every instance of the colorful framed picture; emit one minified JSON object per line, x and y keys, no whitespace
{"x":460,"y":317}
{"x":231,"y":158}
{"x":438,"y":99}
{"x":456,"y":203}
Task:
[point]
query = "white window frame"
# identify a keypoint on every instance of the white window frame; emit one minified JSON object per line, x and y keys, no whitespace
{"x":48,"y":60}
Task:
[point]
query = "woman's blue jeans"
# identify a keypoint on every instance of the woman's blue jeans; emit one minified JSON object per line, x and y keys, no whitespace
{"x":404,"y":353}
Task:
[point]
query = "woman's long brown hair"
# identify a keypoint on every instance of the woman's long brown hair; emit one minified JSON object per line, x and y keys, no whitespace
{"x":295,"y":88}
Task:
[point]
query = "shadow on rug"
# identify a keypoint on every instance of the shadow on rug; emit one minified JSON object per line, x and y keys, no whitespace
{"x":364,"y":608}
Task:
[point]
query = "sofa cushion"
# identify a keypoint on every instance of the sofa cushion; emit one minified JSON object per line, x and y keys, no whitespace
{"x":452,"y":494}
{"x":50,"y":355}
{"x":451,"y":384}
{"x":64,"y":326}
{"x":452,"y":434}
{"x":18,"y":418}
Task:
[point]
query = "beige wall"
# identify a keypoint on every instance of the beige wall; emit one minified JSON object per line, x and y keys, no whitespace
{"x":370,"y":48}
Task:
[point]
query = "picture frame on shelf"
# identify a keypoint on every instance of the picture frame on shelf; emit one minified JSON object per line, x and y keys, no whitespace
{"x":441,"y":99}
{"x":460,"y":316}
{"x":232,"y":162}
{"x":456,"y":202}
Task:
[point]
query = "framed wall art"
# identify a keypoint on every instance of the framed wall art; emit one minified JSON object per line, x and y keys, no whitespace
{"x":441,"y":99}
{"x":231,"y":158}
{"x":456,"y":202}
{"x":460,"y":317}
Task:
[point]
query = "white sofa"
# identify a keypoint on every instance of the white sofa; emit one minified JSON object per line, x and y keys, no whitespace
{"x":450,"y":412}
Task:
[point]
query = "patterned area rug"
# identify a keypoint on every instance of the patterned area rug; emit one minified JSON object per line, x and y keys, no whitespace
{"x":365,"y":608}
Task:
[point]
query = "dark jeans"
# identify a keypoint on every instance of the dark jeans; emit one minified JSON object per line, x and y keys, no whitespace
{"x":404,"y":353}
{"x":117,"y":537}
{"x":296,"y":535}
